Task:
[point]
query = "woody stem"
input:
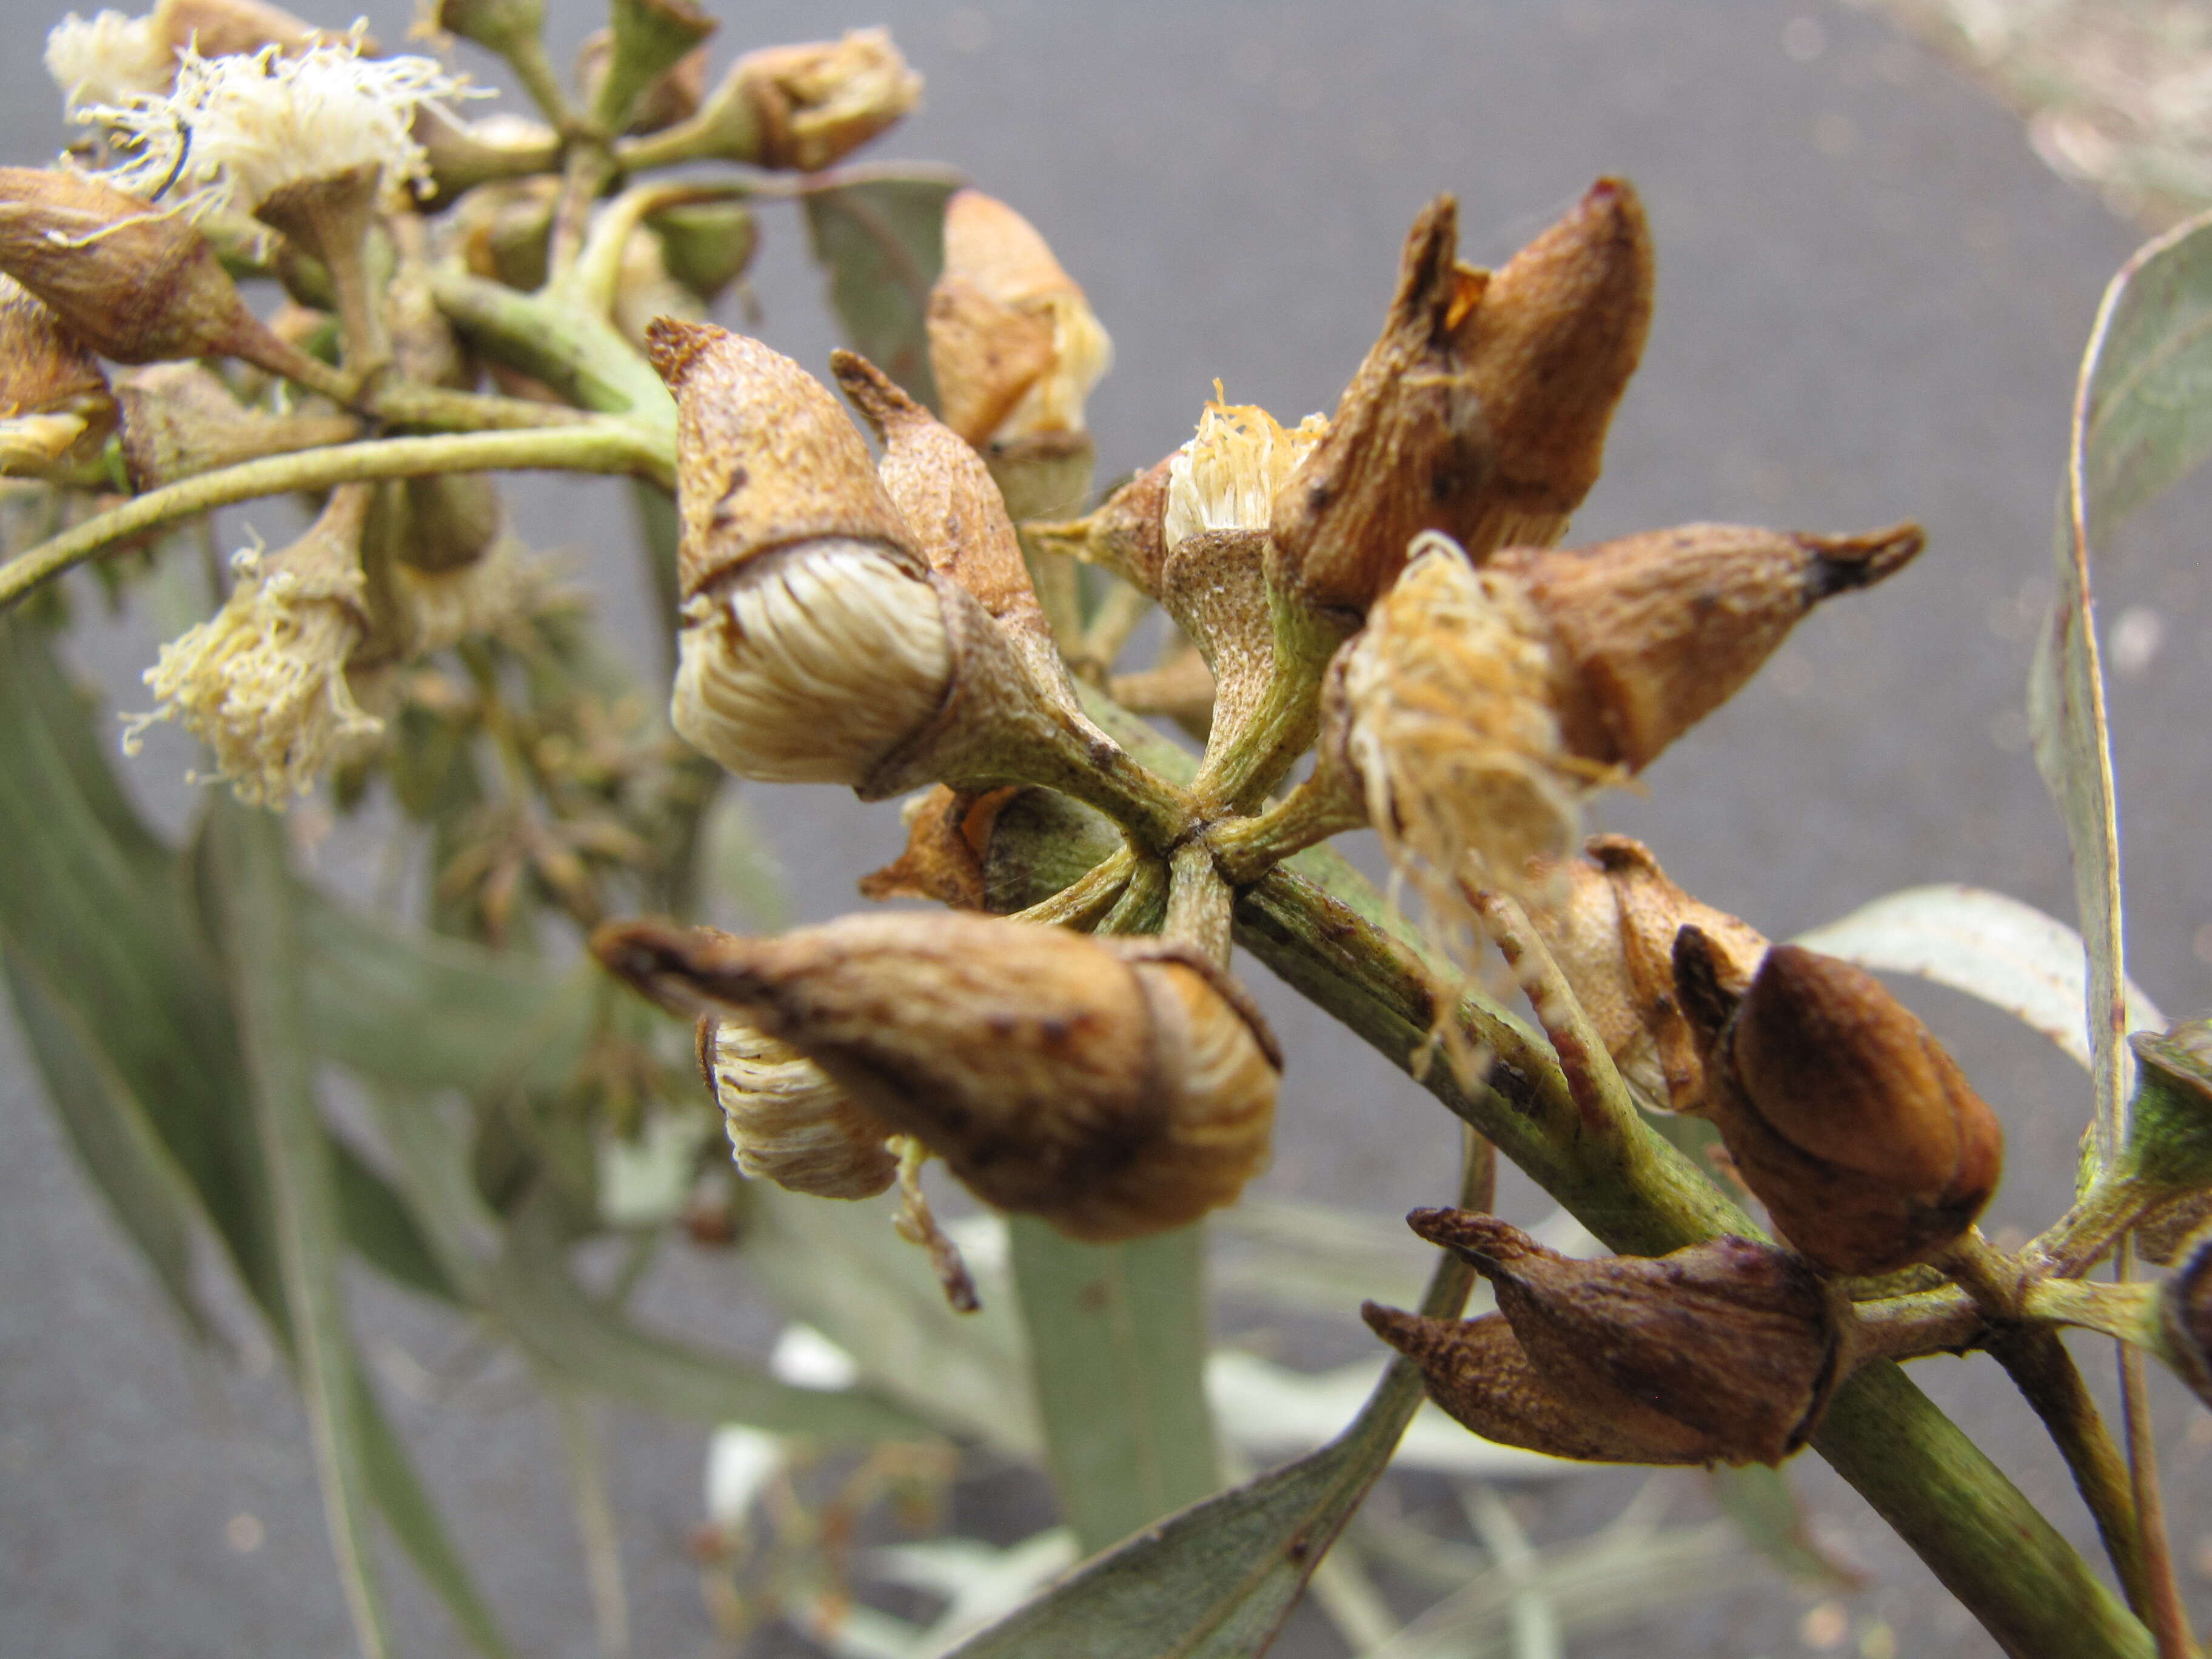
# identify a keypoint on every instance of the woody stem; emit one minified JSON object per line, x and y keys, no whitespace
{"x":1198,"y":901}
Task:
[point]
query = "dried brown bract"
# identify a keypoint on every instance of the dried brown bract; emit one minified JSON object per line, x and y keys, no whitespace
{"x":1116,"y":1088}
{"x":1841,"y":1111}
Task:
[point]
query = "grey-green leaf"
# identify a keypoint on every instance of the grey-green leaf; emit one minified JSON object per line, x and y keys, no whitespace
{"x":2142,"y":419}
{"x":1117,"y":1357}
{"x":879,"y":233}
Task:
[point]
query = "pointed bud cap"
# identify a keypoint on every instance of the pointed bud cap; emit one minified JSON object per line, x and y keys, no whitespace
{"x":1657,"y":629}
{"x":1408,"y":448}
{"x":1842,"y":1112}
{"x":1550,"y":346}
{"x":1738,"y":1341}
{"x":649,"y":37}
{"x":1115,"y":1089}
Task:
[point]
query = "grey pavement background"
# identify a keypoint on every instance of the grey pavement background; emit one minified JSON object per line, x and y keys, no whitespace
{"x":1872,"y":299}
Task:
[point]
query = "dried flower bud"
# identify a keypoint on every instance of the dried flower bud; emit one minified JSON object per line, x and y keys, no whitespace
{"x":1407,"y":449}
{"x":1013,"y":344}
{"x":2170,"y":1124}
{"x":1657,"y":629}
{"x":180,"y":420}
{"x":2184,"y":1316}
{"x":1477,"y":1372}
{"x":264,"y":681}
{"x":134,"y":282}
{"x":1739,"y":1342}
{"x":53,"y":395}
{"x":809,"y":106}
{"x":1116,"y":1088}
{"x":1550,"y":346}
{"x":1610,"y":919}
{"x":944,"y":494}
{"x":787,"y":1122}
{"x":1442,"y":706}
{"x":1841,"y":1111}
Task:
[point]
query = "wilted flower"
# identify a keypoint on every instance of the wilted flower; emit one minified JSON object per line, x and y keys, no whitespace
{"x":262,"y":681}
{"x":1225,"y":479}
{"x":108,"y":59}
{"x":1116,"y":1087}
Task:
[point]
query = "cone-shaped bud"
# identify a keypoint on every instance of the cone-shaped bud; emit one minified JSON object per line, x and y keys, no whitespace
{"x":1477,"y":1372}
{"x":945,"y":495}
{"x":1126,"y":535}
{"x":499,"y":25}
{"x":1550,"y":346}
{"x":262,"y":683}
{"x":462,"y":154}
{"x":1115,"y":1089}
{"x":814,"y":643}
{"x":1013,"y":344}
{"x":1408,"y":448}
{"x":809,"y":106}
{"x":1657,"y":629}
{"x":180,"y":420}
{"x":1842,"y":1112}
{"x":505,"y":230}
{"x":1444,"y":713}
{"x":787,"y":1122}
{"x":1739,"y":1342}
{"x":706,"y":245}
{"x":136,"y":284}
{"x":649,"y":37}
{"x":1610,"y":918}
{"x":52,"y":392}
{"x":2170,"y":1124}
{"x":2184,"y":1315}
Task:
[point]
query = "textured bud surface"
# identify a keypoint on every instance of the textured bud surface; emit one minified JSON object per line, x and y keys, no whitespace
{"x":811,"y":664}
{"x":788,"y":1122}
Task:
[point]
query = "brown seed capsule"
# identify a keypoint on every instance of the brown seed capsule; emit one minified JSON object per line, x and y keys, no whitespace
{"x":1550,"y":345}
{"x":1739,"y":1342}
{"x":1408,"y":448}
{"x":787,"y":1122}
{"x":1116,"y":1088}
{"x":1657,"y":629}
{"x":1477,"y":1372}
{"x":178,"y":420}
{"x":1610,"y":918}
{"x":1841,"y":1111}
{"x":1013,"y":344}
{"x":134,"y":283}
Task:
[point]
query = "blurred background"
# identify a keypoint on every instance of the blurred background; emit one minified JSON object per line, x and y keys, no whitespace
{"x":1881,"y":236}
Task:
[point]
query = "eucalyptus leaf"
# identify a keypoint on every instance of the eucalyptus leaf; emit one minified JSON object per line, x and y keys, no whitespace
{"x":879,"y":233}
{"x":2008,"y":954}
{"x":262,"y":948}
{"x":1217,"y":1580}
{"x":2142,"y":421}
{"x":1117,"y":1356}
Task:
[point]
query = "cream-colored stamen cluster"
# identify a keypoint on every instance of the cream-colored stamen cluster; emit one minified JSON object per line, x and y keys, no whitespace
{"x":811,"y":663}
{"x":236,"y":129}
{"x":1453,"y":729}
{"x":262,"y":681}
{"x":1225,"y":479}
{"x":1082,"y":352}
{"x":789,"y":1123}
{"x":110,"y":59}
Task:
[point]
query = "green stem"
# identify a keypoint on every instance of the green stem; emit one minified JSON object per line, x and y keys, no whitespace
{"x":599,"y":446}
{"x":1242,"y":767}
{"x":2128,"y":1312}
{"x":2079,"y":1239}
{"x":2161,"y":1600}
{"x":1198,"y":901}
{"x":1085,"y":903}
{"x":577,"y":353}
{"x":1321,"y":806}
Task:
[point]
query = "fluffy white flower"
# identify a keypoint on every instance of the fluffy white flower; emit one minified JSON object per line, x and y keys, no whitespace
{"x":236,"y":129}
{"x":109,"y":60}
{"x":1225,"y":479}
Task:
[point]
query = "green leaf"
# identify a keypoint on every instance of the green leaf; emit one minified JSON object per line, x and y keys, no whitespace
{"x":2142,"y":421}
{"x":1217,"y":1580}
{"x":2008,"y":954}
{"x":262,"y":948}
{"x":1117,"y":1356}
{"x":1763,"y":1503}
{"x":839,"y":1266}
{"x":879,"y":232}
{"x":108,"y":1129}
{"x":377,"y":1222}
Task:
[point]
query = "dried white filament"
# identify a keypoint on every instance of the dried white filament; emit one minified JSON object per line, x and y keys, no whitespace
{"x":811,"y":663}
{"x":1225,"y":479}
{"x":262,"y":681}
{"x":235,"y":130}
{"x":110,"y":59}
{"x":1082,"y":352}
{"x":790,"y":1124}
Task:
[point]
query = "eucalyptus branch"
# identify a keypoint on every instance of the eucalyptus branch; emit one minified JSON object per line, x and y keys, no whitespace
{"x":577,"y":353}
{"x":1248,"y":848}
{"x":1242,"y":767}
{"x":1198,"y":901}
{"x":600,"y":446}
{"x":2160,"y":1607}
{"x":1084,"y":903}
{"x":590,"y":282}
